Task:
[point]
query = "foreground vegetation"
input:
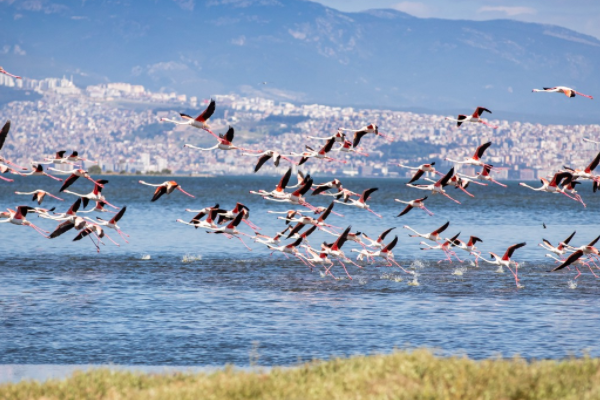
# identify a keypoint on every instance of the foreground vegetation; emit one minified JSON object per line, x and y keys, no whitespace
{"x":402,"y":375}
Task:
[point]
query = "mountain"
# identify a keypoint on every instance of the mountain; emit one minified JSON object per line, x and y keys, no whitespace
{"x":305,"y":52}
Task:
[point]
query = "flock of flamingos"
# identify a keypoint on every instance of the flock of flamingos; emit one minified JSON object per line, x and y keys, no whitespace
{"x":226,"y":222}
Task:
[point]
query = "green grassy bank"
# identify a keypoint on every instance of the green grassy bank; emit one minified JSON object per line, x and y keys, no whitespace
{"x":402,"y":375}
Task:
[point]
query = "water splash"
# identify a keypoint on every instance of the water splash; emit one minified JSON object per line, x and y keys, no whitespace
{"x":415,"y":280}
{"x":392,"y":277}
{"x":188,"y":258}
{"x":417,"y":264}
{"x":572,"y":284}
{"x":459,"y":271}
{"x":145,"y":257}
{"x":500,"y":270}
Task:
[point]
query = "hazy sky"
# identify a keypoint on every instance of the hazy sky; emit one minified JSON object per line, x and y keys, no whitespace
{"x":580,"y":15}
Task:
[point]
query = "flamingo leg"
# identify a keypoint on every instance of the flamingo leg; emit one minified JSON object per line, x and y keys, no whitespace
{"x":399,"y":266}
{"x":349,"y":277}
{"x":446,"y":194}
{"x":53,"y":177}
{"x":374,"y":213}
{"x":184,"y":192}
{"x":6,"y":179}
{"x":426,"y":210}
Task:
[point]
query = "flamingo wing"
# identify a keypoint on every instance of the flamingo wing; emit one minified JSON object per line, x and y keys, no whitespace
{"x":339,"y":242}
{"x":4,"y":133}
{"x":390,"y":245}
{"x":366,"y":194}
{"x":68,"y":182}
{"x":441,"y":228}
{"x":384,"y":234}
{"x":406,"y":210}
{"x":481,"y":149}
{"x":119,"y":215}
{"x":589,"y":168}
{"x":570,"y":260}
{"x":229,"y":135}
{"x":416,"y":176}
{"x":567,"y":240}
{"x":206,"y":114}
{"x":511,"y":250}
{"x":479,"y":111}
{"x":159,"y":192}
{"x":357,"y":136}
{"x":261,"y":161}
{"x":593,"y":242}
{"x":444,"y":180}
{"x":62,"y":228}
{"x":284,"y":180}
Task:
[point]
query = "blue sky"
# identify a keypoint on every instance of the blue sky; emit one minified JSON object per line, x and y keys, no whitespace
{"x":580,"y":15}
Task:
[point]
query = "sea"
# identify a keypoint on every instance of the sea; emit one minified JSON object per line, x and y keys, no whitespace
{"x":178,"y":297}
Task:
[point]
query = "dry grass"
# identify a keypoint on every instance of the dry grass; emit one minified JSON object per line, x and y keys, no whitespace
{"x":402,"y":375}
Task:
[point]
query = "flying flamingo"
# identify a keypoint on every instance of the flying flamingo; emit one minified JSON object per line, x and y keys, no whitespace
{"x":485,"y":176}
{"x":59,"y":158}
{"x":65,"y":226}
{"x":3,"y":71}
{"x":359,"y":133}
{"x":5,"y":169}
{"x":3,"y":135}
{"x":230,"y":230}
{"x":339,"y":137}
{"x":418,"y":203}
{"x":225,"y":142}
{"x":346,"y":147}
{"x":445,"y":247}
{"x":318,"y":258}
{"x":39,"y":195}
{"x":505,"y":261}
{"x":200,"y":121}
{"x":278,"y":192}
{"x":75,"y":174}
{"x":378,"y":243}
{"x":266,"y":155}
{"x":588,"y":249}
{"x":208,"y":223}
{"x":306,"y":220}
{"x":95,"y":230}
{"x":476,"y":159}
{"x":573,"y":259}
{"x":166,"y":187}
{"x":437,"y":187}
{"x":291,"y":249}
{"x":335,"y":250}
{"x":323,"y":187}
{"x":552,"y":186}
{"x":69,"y":215}
{"x":460,"y":182}
{"x":433,"y":236}
{"x":99,"y":207}
{"x":39,"y":171}
{"x":74,"y":157}
{"x":562,"y":89}
{"x":476,"y":118}
{"x":295,"y":198}
{"x":264,"y":239}
{"x":19,"y":218}
{"x":568,"y":187}
{"x":560,"y":250}
{"x":239,"y":208}
{"x":361,"y":202}
{"x":301,"y":179}
{"x":94,"y":195}
{"x":321,"y":154}
{"x":469,"y":247}
{"x":421,"y":169}
{"x":587,"y":172}
{"x":112,"y":223}
{"x":385,"y":253}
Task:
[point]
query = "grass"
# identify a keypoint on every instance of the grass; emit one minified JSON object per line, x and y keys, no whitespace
{"x":401,"y":375}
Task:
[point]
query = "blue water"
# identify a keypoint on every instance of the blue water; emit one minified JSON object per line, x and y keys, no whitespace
{"x":61,"y":302}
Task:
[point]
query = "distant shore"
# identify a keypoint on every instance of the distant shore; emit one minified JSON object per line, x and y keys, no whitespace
{"x":401,"y":375}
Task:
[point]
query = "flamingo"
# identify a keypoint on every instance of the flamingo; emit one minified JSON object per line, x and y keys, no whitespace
{"x":445,"y":247}
{"x":75,"y":174}
{"x":74,"y":157}
{"x":78,"y":223}
{"x":322,"y":187}
{"x":266,"y":155}
{"x":166,"y":187}
{"x":94,"y":195}
{"x":3,"y":135}
{"x":301,"y":179}
{"x":208,"y":223}
{"x":339,"y":137}
{"x":361,"y":202}
{"x":574,"y":258}
{"x":335,"y":250}
{"x":264,"y":239}
{"x":278,"y":192}
{"x":346,"y":147}
{"x":588,"y":249}
{"x":95,"y":229}
{"x":359,"y":133}
{"x":562,"y":89}
{"x":476,"y":159}
{"x":200,"y":121}
{"x":460,"y":182}
{"x":378,"y":243}
{"x":560,"y":250}
{"x":321,"y":154}
{"x":319,"y":258}
{"x":434,"y":236}
{"x":3,"y":71}
{"x":306,"y":220}
{"x":587,"y":172}
{"x":469,"y":247}
{"x":437,"y":187}
{"x":476,"y":118}
{"x":239,"y":208}
{"x":568,"y":187}
{"x":19,"y":218}
{"x":69,"y":215}
{"x":418,"y":203}
{"x":552,"y":186}
{"x":112,"y":223}
{"x":385,"y":253}
{"x":292,"y":249}
{"x":5,"y":169}
{"x":39,"y":195}
{"x":59,"y":158}
{"x":230,"y":230}
{"x":505,"y":261}
{"x":421,"y":169}
{"x":39,"y":171}
{"x":484,"y":175}
{"x":295,"y":197}
{"x":99,"y":207}
{"x":225,"y":142}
